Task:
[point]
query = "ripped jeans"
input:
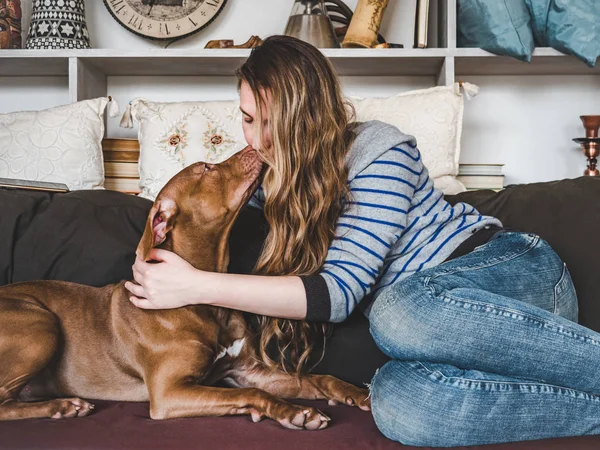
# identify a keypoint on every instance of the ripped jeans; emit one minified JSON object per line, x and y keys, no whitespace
{"x":485,"y":349}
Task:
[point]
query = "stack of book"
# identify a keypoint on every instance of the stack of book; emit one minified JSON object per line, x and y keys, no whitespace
{"x":481,"y":176}
{"x":121,"y":165}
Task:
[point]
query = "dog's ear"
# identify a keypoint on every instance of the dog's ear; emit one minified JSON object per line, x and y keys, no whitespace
{"x":159,"y":224}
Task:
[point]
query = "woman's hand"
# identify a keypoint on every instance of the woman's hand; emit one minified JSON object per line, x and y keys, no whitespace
{"x":170,"y":283}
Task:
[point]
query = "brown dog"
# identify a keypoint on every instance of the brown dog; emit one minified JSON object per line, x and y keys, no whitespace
{"x":60,"y":339}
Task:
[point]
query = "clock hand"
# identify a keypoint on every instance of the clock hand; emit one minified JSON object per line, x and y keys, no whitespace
{"x":152,"y":2}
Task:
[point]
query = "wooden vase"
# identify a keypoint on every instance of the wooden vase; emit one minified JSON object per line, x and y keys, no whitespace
{"x":365,"y":24}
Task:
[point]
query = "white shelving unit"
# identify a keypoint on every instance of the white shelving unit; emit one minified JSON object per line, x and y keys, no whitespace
{"x":87,"y":70}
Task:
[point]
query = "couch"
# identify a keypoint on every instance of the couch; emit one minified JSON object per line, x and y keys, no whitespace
{"x":90,"y":237}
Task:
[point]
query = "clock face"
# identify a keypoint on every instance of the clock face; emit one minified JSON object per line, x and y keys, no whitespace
{"x":165,"y":19}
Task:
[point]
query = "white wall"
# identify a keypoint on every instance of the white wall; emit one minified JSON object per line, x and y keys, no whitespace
{"x":527,"y":123}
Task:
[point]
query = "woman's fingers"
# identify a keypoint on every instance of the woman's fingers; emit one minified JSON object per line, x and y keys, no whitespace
{"x":135,"y":289}
{"x":141,"y":302}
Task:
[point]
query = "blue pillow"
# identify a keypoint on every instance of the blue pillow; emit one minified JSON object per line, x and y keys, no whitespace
{"x":572,"y":27}
{"x":498,"y":26}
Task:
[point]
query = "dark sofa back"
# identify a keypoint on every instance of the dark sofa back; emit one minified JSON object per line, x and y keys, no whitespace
{"x":90,"y":236}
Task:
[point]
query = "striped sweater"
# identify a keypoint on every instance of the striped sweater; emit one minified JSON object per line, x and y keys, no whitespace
{"x":396,"y":224}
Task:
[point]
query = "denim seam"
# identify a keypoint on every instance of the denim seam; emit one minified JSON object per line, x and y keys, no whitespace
{"x":556,"y":293}
{"x":490,"y":262}
{"x":514,"y":314}
{"x":539,"y":387}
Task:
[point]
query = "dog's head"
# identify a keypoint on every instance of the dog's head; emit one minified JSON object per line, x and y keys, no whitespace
{"x":194,"y":212}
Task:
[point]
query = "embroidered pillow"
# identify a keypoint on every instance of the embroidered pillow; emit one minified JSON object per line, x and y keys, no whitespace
{"x":173,"y":136}
{"x":62,"y":144}
{"x":435,"y":117}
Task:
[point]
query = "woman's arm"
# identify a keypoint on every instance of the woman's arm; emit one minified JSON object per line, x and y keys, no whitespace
{"x":277,"y":296}
{"x":173,"y":283}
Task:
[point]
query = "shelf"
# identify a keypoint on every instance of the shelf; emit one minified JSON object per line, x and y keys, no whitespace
{"x":218,"y":62}
{"x":215,"y":62}
{"x":36,"y":63}
{"x":545,"y":61}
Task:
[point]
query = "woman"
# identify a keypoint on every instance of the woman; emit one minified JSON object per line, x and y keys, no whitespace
{"x":479,"y":321}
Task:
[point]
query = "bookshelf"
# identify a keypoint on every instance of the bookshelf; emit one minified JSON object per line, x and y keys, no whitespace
{"x":87,"y":70}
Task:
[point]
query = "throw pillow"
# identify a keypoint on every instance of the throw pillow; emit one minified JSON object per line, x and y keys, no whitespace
{"x":571,"y":27}
{"x":434,"y":116}
{"x":174,"y":135}
{"x":62,"y":144}
{"x":58,"y":24}
{"x":500,"y":26}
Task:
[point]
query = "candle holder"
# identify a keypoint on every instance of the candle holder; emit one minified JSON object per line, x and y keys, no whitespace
{"x":590,"y":144}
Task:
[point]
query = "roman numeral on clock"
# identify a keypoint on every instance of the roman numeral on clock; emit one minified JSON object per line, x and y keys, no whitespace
{"x":195,"y":24}
{"x":133,"y":21}
{"x":213,"y":3}
{"x":166,"y":29}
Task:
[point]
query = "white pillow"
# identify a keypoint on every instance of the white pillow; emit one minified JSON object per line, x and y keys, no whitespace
{"x":173,"y":136}
{"x":435,"y":117}
{"x":61,"y":145}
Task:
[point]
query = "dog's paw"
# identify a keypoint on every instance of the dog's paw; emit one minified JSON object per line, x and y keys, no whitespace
{"x":297,"y":417}
{"x":350,"y":395}
{"x":69,"y":407}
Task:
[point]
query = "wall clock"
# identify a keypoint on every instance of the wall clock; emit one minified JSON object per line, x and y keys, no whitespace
{"x":165,"y":19}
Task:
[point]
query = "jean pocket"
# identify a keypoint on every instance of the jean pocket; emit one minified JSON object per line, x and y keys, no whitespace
{"x":565,"y":297}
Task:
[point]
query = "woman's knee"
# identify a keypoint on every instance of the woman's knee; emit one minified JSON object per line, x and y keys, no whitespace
{"x":400,"y":316}
{"x":404,"y":404}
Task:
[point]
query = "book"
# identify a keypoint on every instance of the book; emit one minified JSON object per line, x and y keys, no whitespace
{"x":433,"y":28}
{"x":421,"y":23}
{"x":121,"y":169}
{"x":121,"y":150}
{"x":480,"y":169}
{"x":482,"y":181}
{"x":127,"y":185}
{"x":33,"y":185}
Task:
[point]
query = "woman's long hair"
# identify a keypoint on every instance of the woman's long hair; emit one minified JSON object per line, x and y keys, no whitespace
{"x":306,"y":179}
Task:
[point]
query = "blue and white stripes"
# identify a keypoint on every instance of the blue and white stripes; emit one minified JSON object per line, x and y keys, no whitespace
{"x":396,"y":224}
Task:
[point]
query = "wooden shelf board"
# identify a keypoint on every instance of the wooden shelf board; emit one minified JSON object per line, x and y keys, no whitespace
{"x":218,"y":62}
{"x":545,"y":61}
{"x":212,"y":61}
{"x":38,"y":63}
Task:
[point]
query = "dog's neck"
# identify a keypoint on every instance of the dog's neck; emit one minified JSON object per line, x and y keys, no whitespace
{"x":207,"y":253}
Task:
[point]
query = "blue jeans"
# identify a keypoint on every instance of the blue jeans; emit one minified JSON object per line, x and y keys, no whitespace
{"x":485,"y":349}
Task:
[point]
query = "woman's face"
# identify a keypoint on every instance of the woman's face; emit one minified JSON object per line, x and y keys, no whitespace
{"x":248,"y":108}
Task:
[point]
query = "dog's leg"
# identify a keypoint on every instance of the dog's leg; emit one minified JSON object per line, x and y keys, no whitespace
{"x":175,"y":392}
{"x":28,"y":339}
{"x":311,"y":387}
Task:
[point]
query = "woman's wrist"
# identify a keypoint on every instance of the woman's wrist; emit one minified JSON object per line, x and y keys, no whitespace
{"x":276,"y":296}
{"x":207,"y":287}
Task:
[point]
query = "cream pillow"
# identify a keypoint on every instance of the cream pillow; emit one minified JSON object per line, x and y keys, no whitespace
{"x":435,"y":117}
{"x":61,"y":145}
{"x":173,"y":136}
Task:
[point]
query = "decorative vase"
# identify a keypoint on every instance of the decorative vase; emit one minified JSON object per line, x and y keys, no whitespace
{"x":310,"y":22}
{"x":590,"y":144}
{"x":58,"y":24}
{"x":364,"y":26}
{"x":10,"y":24}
